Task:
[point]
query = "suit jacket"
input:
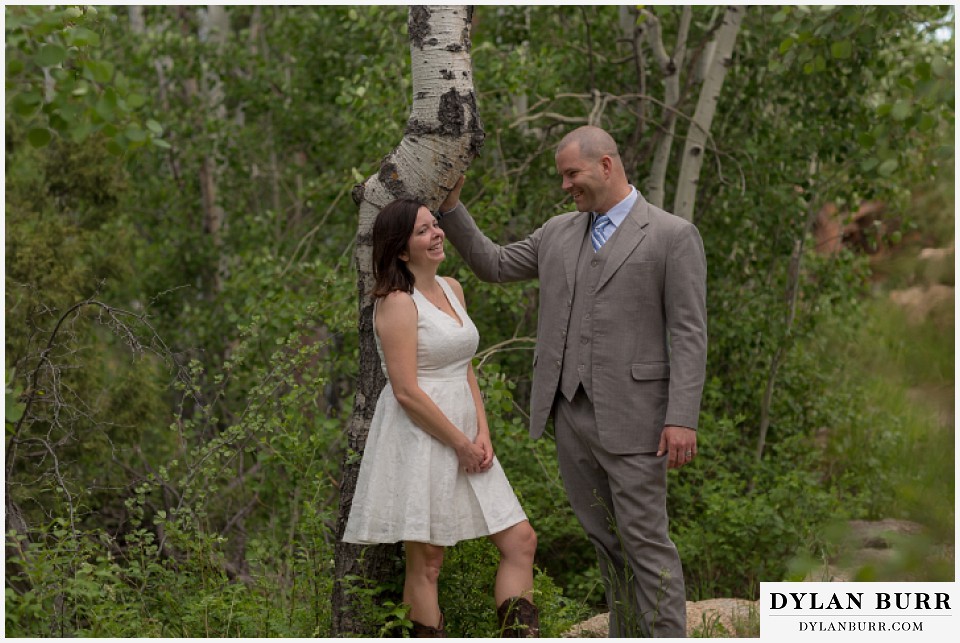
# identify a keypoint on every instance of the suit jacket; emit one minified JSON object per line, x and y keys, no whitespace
{"x":649,"y":317}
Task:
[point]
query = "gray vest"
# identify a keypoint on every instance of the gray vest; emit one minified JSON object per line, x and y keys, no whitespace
{"x":578,"y":351}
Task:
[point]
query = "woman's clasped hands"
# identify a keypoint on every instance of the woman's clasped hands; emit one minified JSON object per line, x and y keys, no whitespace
{"x":476,"y":456}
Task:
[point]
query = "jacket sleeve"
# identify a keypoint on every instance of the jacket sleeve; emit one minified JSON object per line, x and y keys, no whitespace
{"x":685,"y":293}
{"x":489,"y":261}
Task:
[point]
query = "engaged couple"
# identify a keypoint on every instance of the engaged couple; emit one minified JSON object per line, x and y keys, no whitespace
{"x":619,"y":365}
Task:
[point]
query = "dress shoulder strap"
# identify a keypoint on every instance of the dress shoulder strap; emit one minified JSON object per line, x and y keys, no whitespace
{"x":451,"y":297}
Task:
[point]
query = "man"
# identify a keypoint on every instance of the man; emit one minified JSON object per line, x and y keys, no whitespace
{"x":619,"y":363}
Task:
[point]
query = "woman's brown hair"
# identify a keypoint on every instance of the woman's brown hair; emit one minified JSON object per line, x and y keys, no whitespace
{"x":391,"y":233}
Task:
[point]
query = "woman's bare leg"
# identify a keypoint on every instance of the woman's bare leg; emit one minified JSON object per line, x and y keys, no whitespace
{"x":420,"y":583}
{"x":517,"y":545}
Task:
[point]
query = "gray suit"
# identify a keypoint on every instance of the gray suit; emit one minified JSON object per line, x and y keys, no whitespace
{"x":621,"y":352}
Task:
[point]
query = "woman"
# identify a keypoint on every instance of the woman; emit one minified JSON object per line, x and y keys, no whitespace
{"x":428,"y":475}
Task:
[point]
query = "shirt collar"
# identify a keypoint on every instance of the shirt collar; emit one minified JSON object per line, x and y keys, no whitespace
{"x":620,"y":211}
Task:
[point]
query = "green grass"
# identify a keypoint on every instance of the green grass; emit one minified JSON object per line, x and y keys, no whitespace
{"x":892,"y":454}
{"x":744,"y":626}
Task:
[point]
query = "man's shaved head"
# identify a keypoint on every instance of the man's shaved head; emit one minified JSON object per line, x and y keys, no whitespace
{"x":592,"y":142}
{"x":591,"y":170}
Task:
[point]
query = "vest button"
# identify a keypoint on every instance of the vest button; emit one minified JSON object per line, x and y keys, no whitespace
{"x":594,"y":263}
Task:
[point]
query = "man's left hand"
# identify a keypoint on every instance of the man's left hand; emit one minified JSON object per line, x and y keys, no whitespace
{"x":680,"y":445}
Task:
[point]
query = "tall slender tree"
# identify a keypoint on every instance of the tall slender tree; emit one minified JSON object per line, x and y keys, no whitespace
{"x":443,"y":135}
{"x":695,"y":147}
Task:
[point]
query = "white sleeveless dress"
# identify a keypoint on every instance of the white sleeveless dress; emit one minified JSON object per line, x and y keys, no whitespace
{"x":410,"y":485}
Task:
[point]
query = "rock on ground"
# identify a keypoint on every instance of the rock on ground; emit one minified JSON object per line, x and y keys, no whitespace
{"x":707,"y":616}
{"x":918,"y":301}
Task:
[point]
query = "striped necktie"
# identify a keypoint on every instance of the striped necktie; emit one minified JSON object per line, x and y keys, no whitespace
{"x":602,"y":229}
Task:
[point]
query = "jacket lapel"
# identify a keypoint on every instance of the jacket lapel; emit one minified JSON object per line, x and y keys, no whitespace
{"x":627,"y":237}
{"x":572,"y":240}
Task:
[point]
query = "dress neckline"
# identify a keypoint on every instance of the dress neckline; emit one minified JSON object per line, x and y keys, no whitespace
{"x":456,"y":317}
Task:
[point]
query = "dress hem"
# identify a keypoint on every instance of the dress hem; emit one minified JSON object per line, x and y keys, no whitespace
{"x":492,"y":532}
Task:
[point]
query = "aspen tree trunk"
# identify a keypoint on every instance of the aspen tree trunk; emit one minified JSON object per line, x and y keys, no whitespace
{"x":138,"y":25}
{"x":670,"y":66}
{"x":694,"y":149}
{"x":443,"y":135}
{"x":215,"y":28}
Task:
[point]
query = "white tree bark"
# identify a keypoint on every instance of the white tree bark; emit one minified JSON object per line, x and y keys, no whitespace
{"x":694,"y":149}
{"x":670,"y":66}
{"x":138,"y":25}
{"x":443,"y":135}
{"x":214,"y":28}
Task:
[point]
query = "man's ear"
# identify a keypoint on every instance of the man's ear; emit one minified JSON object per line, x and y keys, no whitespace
{"x":607,"y":164}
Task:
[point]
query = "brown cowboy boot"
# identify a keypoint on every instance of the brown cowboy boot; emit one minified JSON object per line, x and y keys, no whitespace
{"x":518,"y":619}
{"x":421,"y":631}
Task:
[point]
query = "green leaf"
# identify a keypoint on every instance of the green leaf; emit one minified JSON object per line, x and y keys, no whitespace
{"x":49,"y":22}
{"x":51,"y":55}
{"x":14,"y":412}
{"x":106,"y":106}
{"x":14,"y":67}
{"x":116,"y":148}
{"x":71,"y":13}
{"x":135,"y":134}
{"x":80,"y":132}
{"x":901,"y":110}
{"x":39,"y":136}
{"x":82,"y":37}
{"x":927,"y":123}
{"x":154,"y":127}
{"x":865,"y":139}
{"x":81,"y":89}
{"x":99,"y":70}
{"x":923,"y":70}
{"x":13,"y":392}
{"x":12,"y":22}
{"x":940,"y":67}
{"x":786,"y":45}
{"x":26,"y":104}
{"x":59,"y":123}
{"x":159,"y":142}
{"x":842,"y":49}
{"x":136,"y":100}
{"x":888,"y":167}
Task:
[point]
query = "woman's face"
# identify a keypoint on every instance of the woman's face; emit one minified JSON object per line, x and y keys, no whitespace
{"x":425,"y":246}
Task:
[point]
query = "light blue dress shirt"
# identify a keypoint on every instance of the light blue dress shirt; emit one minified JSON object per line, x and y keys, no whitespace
{"x":620,"y":211}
